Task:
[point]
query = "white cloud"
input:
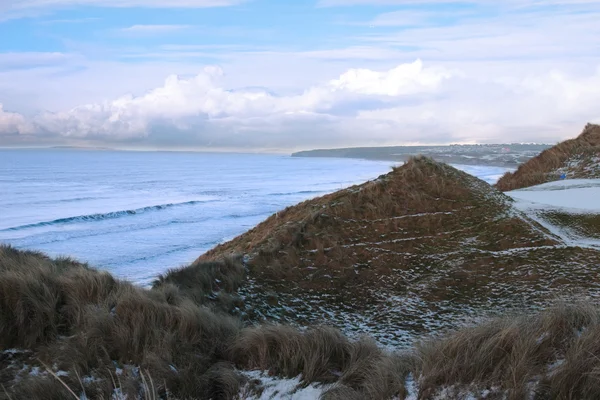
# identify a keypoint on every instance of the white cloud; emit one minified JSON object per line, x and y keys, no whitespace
{"x":547,"y":107}
{"x":560,"y":37}
{"x":13,"y":123}
{"x":410,"y":103}
{"x":404,"y":79}
{"x":153,"y":29}
{"x":202,"y":97}
{"x":201,"y":100}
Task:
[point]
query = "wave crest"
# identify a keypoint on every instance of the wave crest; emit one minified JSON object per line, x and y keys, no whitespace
{"x":104,"y":216}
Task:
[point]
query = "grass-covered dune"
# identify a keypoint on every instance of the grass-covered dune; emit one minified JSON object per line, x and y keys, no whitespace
{"x":70,"y":331}
{"x":578,"y":158}
{"x":414,"y":251}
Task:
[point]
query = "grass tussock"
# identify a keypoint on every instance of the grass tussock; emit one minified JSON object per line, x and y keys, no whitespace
{"x":359,"y":369}
{"x":84,"y":322}
{"x":552,"y":355}
{"x":206,"y":283}
{"x":545,"y":167}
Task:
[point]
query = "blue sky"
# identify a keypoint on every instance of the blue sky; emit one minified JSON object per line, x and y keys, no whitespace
{"x":279,"y":76}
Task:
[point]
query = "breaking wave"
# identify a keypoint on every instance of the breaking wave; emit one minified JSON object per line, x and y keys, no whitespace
{"x":105,"y":216}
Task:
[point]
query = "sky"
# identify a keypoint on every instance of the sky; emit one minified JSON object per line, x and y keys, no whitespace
{"x":275,"y":75}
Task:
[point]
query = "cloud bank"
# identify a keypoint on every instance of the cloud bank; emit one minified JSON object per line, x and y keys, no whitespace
{"x":14,"y":124}
{"x":410,"y":103}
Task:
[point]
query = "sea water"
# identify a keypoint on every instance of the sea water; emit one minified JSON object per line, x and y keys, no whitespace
{"x":137,"y":214}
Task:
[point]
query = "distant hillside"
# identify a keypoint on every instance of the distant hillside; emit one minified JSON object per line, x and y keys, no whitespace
{"x":577,"y":158}
{"x":503,"y":155}
{"x":413,"y":251}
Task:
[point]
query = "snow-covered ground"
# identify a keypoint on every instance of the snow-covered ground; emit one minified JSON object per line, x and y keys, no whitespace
{"x":280,"y":388}
{"x":571,"y":196}
{"x":579,"y":195}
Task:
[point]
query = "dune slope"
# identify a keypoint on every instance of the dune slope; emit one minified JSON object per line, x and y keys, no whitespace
{"x":577,"y":158}
{"x":419,"y":249}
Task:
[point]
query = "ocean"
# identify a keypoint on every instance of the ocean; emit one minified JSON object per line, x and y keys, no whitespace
{"x":137,"y":214}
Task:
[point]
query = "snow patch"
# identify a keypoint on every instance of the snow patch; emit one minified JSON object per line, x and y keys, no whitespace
{"x":15,"y":351}
{"x":411,"y":388}
{"x":281,"y":388}
{"x":574,"y":194}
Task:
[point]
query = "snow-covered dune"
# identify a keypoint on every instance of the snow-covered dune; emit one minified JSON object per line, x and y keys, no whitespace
{"x":580,"y":195}
{"x":569,"y":209}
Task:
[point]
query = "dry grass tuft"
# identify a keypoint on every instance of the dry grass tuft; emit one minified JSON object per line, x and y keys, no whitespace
{"x":555,"y":354}
{"x":83,"y":321}
{"x":206,"y":283}
{"x":285,"y":351}
{"x":359,"y":369}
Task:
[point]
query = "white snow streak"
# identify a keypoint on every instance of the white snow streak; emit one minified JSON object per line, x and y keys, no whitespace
{"x":282,"y":388}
